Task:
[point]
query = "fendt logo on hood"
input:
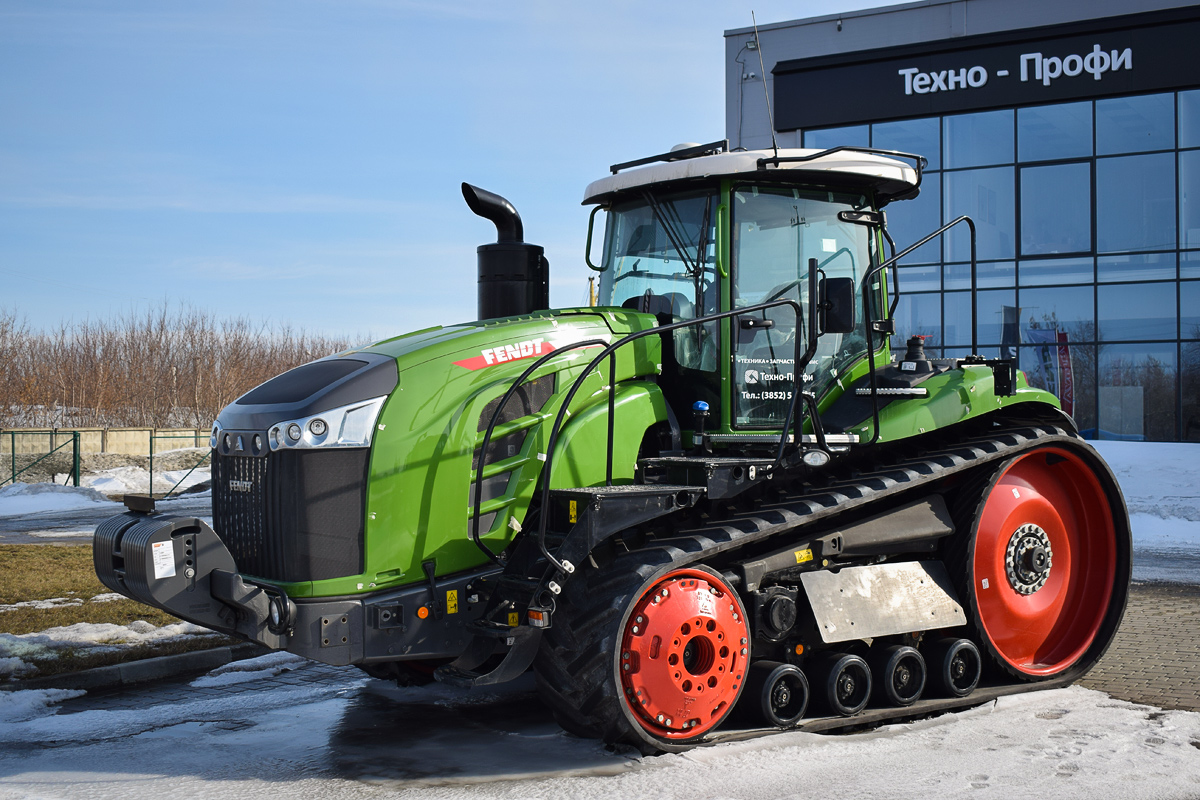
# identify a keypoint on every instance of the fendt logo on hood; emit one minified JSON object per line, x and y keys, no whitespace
{"x":500,"y":354}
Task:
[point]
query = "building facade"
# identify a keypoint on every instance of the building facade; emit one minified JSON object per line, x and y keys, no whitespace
{"x":1069,"y":132}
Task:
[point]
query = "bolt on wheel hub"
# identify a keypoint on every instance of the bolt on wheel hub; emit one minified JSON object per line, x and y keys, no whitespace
{"x":683,"y":655}
{"x":1028,"y":559}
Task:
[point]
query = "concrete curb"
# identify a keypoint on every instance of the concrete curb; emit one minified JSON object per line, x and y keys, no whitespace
{"x":149,"y":669}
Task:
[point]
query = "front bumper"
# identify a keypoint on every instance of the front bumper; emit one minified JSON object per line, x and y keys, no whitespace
{"x":178,"y":564}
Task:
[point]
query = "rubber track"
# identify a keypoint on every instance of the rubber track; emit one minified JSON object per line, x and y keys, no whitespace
{"x":575,"y":666}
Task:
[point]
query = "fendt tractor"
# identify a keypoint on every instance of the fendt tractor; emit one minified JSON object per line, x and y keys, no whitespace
{"x":691,"y":508}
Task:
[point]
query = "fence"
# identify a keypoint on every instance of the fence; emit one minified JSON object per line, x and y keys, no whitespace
{"x":129,"y":441}
{"x":41,"y":454}
{"x":23,"y":448}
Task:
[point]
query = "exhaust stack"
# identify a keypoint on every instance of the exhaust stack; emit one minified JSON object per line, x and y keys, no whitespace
{"x":514,"y":276}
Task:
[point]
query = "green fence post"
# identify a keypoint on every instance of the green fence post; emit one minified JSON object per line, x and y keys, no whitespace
{"x":75,"y":436}
{"x":151,"y":434}
{"x":13,"y":448}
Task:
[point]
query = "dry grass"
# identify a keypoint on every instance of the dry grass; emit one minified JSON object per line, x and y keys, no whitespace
{"x":43,"y":572}
{"x":166,"y":367}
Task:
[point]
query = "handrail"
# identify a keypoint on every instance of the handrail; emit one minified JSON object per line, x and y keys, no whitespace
{"x":800,"y":361}
{"x":487,"y":436}
{"x":607,"y":353}
{"x":891,"y":263}
{"x":974,"y":306}
{"x":920,"y":161}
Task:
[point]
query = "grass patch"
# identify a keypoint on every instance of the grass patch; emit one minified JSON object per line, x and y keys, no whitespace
{"x":32,"y":572}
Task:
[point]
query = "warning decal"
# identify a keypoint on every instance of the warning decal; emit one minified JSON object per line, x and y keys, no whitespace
{"x":163,"y":554}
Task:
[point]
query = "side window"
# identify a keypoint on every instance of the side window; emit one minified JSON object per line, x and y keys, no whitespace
{"x":660,"y":258}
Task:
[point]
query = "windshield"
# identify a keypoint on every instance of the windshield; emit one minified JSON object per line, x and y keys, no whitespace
{"x":776,"y":232}
{"x":659,"y":257}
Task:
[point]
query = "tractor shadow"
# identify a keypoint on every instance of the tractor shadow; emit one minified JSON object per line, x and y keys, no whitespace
{"x":438,"y":735}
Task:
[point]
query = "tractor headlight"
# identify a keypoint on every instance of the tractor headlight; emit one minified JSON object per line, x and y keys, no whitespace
{"x":351,"y":425}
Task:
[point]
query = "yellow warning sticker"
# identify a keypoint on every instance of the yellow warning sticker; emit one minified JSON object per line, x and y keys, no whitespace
{"x":514,"y":619}
{"x":803,"y":555}
{"x":452,"y":601}
{"x":573,"y":511}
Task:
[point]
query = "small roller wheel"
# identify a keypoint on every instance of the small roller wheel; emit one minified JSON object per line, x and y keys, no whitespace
{"x":776,"y":695}
{"x":842,"y":683}
{"x":956,"y":666}
{"x":898,"y":675}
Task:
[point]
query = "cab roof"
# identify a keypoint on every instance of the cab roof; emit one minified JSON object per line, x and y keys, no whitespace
{"x":851,"y":168}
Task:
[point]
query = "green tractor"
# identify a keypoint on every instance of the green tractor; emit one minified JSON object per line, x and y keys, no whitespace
{"x":705,"y":501}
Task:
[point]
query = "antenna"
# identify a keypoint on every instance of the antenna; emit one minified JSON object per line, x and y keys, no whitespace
{"x":763,"y":71}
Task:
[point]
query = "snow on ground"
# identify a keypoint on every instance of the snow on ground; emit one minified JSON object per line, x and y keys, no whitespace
{"x":251,"y":669}
{"x":135,"y":480}
{"x":352,"y":739}
{"x":19,"y":499}
{"x":60,"y":602}
{"x":16,"y":650}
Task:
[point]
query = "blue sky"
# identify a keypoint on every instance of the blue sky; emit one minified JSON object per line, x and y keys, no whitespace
{"x":299,"y":162}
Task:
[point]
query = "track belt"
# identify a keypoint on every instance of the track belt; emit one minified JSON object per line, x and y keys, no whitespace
{"x":813,"y":506}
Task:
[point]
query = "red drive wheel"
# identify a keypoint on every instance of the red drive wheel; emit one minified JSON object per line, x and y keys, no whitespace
{"x":1049,"y":565}
{"x":683,"y":656}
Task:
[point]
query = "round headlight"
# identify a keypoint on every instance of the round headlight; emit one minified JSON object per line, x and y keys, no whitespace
{"x":293,"y":432}
{"x":318,"y":427}
{"x":276,"y":612}
{"x":815,"y":458}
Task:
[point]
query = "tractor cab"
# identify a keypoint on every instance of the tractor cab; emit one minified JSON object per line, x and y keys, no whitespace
{"x":700,"y":231}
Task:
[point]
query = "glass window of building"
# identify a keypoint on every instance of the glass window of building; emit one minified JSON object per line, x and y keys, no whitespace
{"x":1136,"y":267}
{"x":912,"y":220}
{"x":1135,"y":203}
{"x":1189,"y":119}
{"x":1049,"y":133}
{"x":988,"y":275}
{"x":978,"y":140}
{"x":1135,"y":124}
{"x":1068,"y":310}
{"x":1137,"y":392}
{"x":856,"y":135}
{"x":917,"y":136}
{"x":1067,"y":371}
{"x":1189,"y":310}
{"x":1136,"y":311}
{"x":997,"y":319}
{"x":1050,"y":271}
{"x":985,"y":195}
{"x":1189,"y":198}
{"x":1056,"y":209}
{"x":918,"y":314}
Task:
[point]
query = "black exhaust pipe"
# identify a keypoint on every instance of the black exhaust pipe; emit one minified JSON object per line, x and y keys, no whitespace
{"x":514,"y":276}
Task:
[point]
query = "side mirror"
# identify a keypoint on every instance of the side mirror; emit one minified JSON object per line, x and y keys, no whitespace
{"x":836,"y":307}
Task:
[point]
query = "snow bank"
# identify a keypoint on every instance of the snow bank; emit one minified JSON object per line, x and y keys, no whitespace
{"x":251,"y":669}
{"x":61,"y":602}
{"x":22,"y":706}
{"x":1160,"y":479}
{"x":97,"y":637}
{"x":39,"y":498}
{"x":135,"y":480}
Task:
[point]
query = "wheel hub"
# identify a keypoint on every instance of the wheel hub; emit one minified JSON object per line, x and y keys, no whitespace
{"x":1028,"y":559}
{"x":683,"y":655}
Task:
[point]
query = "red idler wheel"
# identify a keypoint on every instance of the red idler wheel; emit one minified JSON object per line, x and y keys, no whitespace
{"x":684,"y":653}
{"x":1046,"y":562}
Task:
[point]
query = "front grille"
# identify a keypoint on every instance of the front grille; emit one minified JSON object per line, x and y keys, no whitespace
{"x":292,"y":516}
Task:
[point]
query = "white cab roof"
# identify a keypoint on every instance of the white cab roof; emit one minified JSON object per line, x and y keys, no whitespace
{"x":890,"y":177}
